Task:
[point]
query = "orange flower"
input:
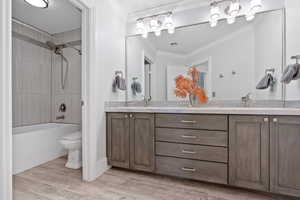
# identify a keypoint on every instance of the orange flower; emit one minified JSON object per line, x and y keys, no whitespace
{"x":186,"y":86}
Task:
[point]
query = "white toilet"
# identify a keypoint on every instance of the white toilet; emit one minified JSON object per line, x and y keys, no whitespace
{"x":72,"y":143}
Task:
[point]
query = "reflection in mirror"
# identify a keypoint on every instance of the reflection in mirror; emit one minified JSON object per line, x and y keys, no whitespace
{"x":233,"y":60}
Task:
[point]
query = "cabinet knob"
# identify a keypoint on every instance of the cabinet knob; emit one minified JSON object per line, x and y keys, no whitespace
{"x":131,"y":115}
{"x":275,"y":120}
{"x":266,"y":119}
{"x":126,"y":116}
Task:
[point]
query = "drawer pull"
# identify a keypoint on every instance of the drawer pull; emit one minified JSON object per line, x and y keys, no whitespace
{"x":188,"y":122}
{"x":186,"y":169}
{"x":188,"y":152}
{"x":189,"y":136}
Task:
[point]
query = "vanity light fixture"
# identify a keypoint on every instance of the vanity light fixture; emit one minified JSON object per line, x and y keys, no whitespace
{"x":38,"y":3}
{"x":155,"y":24}
{"x":215,"y":15}
{"x":232,"y":10}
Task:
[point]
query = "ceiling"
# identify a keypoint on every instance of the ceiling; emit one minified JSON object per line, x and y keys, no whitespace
{"x":195,"y":37}
{"x":59,"y":17}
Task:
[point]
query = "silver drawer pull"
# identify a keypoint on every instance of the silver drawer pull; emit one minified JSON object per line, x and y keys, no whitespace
{"x":189,"y":136}
{"x":188,"y":152}
{"x":186,"y":169}
{"x":188,"y":122}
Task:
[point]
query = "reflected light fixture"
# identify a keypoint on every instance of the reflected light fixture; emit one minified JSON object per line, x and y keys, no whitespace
{"x":155,"y":24}
{"x":232,"y":10}
{"x":215,"y":15}
{"x":38,"y":3}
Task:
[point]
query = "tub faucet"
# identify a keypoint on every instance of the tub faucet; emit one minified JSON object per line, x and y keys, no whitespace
{"x":62,"y":117}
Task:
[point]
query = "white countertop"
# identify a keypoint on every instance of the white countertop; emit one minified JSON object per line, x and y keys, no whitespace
{"x":206,"y":110}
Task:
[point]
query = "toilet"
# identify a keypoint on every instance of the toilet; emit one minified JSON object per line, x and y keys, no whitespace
{"x":72,"y":143}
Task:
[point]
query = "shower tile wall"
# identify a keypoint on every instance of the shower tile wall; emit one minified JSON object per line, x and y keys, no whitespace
{"x":71,"y":95}
{"x":31,"y":66}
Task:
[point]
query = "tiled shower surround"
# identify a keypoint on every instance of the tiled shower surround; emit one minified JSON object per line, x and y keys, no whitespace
{"x":36,"y":79}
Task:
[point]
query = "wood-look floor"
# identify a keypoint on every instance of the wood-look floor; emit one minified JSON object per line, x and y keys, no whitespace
{"x":52,"y":181}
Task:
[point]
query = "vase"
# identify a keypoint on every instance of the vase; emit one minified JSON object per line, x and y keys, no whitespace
{"x":191,"y":100}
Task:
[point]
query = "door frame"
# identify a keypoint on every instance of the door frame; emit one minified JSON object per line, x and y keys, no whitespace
{"x":88,"y":61}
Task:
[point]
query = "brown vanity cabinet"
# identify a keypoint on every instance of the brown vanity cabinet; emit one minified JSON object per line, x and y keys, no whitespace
{"x":285,"y":155}
{"x":130,"y":141}
{"x":249,"y":152}
{"x":118,"y":139}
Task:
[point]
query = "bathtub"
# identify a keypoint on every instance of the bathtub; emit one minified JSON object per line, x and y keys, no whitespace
{"x":38,"y":144}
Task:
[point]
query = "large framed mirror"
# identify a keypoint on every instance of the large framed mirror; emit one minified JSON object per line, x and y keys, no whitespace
{"x":233,"y":60}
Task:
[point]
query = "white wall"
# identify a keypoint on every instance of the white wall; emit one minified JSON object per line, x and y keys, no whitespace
{"x":293,"y":44}
{"x":71,"y":95}
{"x":268,"y":52}
{"x":31,"y":67}
{"x":109,"y":56}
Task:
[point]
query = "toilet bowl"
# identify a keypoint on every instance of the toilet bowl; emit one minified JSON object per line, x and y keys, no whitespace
{"x":72,"y":143}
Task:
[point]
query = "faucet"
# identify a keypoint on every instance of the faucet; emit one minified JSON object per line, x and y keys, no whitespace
{"x":147,"y":100}
{"x":246,"y":99}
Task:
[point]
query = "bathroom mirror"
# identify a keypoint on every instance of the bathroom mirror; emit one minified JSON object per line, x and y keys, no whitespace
{"x":232,"y":60}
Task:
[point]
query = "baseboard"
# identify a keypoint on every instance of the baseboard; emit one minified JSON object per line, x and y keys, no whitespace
{"x":100,"y":167}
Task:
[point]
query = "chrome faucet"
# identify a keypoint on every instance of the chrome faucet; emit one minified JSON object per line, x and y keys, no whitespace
{"x":246,"y":99}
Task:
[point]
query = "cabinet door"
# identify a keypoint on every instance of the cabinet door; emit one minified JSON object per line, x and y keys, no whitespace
{"x":118,"y":139}
{"x":249,"y":152}
{"x":142,"y":142}
{"x":285,"y":155}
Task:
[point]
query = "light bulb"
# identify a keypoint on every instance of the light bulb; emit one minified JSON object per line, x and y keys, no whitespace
{"x":140,"y":27}
{"x":168,"y":23}
{"x":38,"y":3}
{"x":145,"y":35}
{"x":215,"y":13}
{"x":154,"y":25}
{"x":230,"y":20}
{"x":157,"y":32}
{"x":250,"y":16}
{"x":171,"y":30}
{"x":234,"y":9}
{"x":255,"y":5}
{"x":213,"y":23}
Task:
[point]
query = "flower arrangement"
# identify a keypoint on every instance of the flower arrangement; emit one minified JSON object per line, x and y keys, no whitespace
{"x":189,"y":87}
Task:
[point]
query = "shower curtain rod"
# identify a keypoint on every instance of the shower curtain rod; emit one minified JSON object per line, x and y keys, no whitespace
{"x":32,"y":27}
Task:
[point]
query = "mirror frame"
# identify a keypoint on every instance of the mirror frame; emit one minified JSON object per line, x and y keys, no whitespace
{"x":283,"y":64}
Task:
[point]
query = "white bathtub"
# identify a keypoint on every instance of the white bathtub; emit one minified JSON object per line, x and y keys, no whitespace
{"x":38,"y":144}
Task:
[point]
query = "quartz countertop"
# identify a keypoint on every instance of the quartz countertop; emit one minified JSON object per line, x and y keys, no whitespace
{"x":234,"y":109}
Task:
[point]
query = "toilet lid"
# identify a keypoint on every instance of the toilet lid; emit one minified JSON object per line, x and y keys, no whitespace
{"x":73,"y":136}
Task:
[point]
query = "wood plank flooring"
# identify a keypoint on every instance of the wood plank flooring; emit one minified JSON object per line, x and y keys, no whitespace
{"x":52,"y":181}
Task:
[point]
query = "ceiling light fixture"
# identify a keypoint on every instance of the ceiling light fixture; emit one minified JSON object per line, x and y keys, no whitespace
{"x":232,"y":10}
{"x":155,"y":24}
{"x":38,"y":3}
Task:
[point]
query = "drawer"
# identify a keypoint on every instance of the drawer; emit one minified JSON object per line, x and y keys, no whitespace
{"x":206,"y":122}
{"x":207,"y":153}
{"x":188,"y":136}
{"x":192,"y":169}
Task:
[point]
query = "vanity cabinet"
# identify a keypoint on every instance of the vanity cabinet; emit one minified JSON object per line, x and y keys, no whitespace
{"x":285,"y":155}
{"x":192,"y":146}
{"x":118,"y":139}
{"x":249,"y":152}
{"x":130,"y":141}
